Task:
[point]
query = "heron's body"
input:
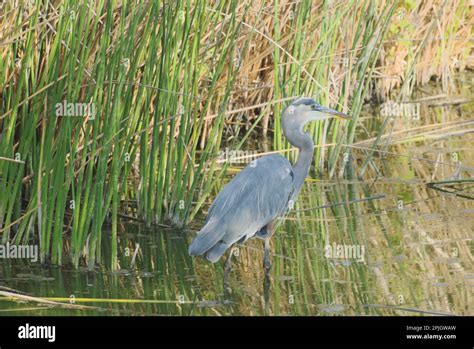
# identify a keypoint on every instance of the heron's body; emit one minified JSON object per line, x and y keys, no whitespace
{"x":249,"y":204}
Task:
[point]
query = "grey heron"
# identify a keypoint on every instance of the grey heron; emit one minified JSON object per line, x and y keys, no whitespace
{"x":251,"y":202}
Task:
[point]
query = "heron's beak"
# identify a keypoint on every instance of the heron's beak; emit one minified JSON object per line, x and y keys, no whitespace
{"x":334,"y":112}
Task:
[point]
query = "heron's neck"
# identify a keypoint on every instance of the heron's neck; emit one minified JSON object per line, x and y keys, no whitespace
{"x":302,"y":165}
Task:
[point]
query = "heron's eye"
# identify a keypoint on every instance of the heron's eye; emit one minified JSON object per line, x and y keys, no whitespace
{"x":314,"y":107}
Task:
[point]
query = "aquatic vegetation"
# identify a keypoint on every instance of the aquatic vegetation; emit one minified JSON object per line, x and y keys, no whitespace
{"x":119,"y":110}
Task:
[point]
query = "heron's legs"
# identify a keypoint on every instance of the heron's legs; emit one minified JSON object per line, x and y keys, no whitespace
{"x":266,"y":267}
{"x":266,"y":293}
{"x":270,"y":229}
{"x":227,"y":270}
{"x":266,"y":256}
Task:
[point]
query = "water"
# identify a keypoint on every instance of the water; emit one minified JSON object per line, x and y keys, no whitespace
{"x":408,"y":251}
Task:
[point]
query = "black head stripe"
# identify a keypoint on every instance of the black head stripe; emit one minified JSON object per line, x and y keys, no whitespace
{"x":303,"y":101}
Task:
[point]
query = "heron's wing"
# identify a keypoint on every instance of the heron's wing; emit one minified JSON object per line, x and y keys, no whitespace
{"x":252,"y":199}
{"x":264,"y":185}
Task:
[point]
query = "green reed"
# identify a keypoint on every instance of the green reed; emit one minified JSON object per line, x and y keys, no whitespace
{"x":152,"y":71}
{"x":348,"y":41}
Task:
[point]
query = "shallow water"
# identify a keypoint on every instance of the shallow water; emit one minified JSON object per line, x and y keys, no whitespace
{"x":406,"y":251}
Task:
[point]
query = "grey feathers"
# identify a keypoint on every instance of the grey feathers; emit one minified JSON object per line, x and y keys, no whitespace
{"x":252,"y":199}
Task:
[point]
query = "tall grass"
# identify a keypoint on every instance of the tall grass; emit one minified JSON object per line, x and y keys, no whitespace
{"x":346,"y":42}
{"x":167,"y":80}
{"x":152,"y":71}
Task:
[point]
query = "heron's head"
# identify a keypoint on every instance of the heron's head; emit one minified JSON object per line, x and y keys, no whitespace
{"x":302,"y":111}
